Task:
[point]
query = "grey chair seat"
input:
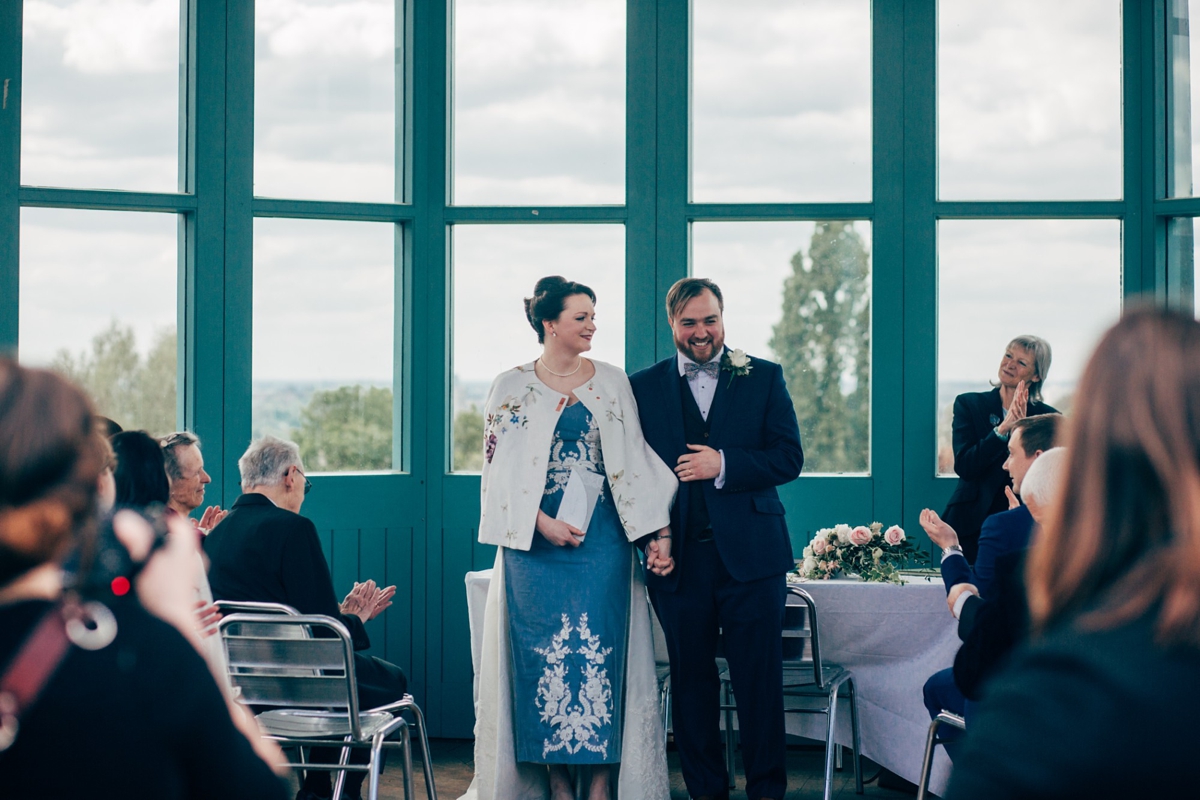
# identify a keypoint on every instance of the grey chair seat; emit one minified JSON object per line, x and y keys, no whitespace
{"x":798,"y":679}
{"x":308,"y":724}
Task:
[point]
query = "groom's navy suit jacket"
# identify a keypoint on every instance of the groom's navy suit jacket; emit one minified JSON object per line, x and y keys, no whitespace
{"x":753,"y":421}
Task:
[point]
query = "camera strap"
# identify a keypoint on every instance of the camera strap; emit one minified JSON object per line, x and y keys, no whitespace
{"x":90,"y":626}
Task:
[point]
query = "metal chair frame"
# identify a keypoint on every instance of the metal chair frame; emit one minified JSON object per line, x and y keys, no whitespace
{"x":931,"y":741}
{"x":253,"y":607}
{"x":312,"y":682}
{"x":827,"y":680}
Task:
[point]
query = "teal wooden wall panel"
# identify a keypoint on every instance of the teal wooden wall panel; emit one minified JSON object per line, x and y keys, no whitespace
{"x":372,"y":565}
{"x":457,"y":699}
{"x":398,"y":569}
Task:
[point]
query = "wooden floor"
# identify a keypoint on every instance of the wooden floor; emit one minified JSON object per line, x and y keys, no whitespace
{"x":453,"y":768}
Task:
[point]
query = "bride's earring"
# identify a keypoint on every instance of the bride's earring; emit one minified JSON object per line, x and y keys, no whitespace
{"x":553,"y":333}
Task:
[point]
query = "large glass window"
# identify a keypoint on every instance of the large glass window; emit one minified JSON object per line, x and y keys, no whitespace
{"x":98,"y":304}
{"x":495,"y":268}
{"x":539,"y":102}
{"x":781,"y":109}
{"x":1029,"y":100}
{"x":324,"y":338}
{"x":999,"y":279}
{"x":325,"y":77}
{"x":799,"y":293}
{"x":100,"y":94}
{"x":1181,"y":260}
{"x":1183,"y":137}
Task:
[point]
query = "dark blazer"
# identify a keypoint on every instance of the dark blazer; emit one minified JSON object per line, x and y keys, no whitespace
{"x":1006,"y":532}
{"x":979,"y":455}
{"x":1086,"y":714}
{"x":264,"y":553}
{"x":992,"y":627}
{"x":753,"y":421}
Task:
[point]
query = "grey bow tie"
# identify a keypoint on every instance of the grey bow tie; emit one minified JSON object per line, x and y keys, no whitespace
{"x":692,"y":369}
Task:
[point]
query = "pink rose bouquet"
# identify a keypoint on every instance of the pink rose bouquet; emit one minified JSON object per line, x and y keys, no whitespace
{"x":867,"y":551}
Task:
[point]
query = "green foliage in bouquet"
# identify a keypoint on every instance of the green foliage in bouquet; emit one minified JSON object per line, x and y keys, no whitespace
{"x":869,"y":551}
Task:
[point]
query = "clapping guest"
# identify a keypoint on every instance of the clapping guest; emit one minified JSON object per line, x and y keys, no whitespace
{"x":136,"y":706}
{"x":983,"y":422}
{"x":1113,"y":590}
{"x":1004,"y":533}
{"x":265,"y":551}
{"x":187,"y":478}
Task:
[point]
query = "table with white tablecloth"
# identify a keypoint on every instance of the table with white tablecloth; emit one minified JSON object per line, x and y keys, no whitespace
{"x":891,"y":637}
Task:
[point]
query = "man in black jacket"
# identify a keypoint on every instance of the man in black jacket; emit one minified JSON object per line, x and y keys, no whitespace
{"x":264,"y":551}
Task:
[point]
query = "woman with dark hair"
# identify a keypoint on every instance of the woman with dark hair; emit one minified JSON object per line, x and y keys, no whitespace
{"x":141,"y":473}
{"x":567,"y":670}
{"x":131,"y":698}
{"x":1103,"y":702}
{"x":983,"y":422}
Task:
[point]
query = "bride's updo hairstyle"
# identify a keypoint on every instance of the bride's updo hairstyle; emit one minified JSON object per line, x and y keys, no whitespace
{"x":51,"y":458}
{"x":549,"y":299}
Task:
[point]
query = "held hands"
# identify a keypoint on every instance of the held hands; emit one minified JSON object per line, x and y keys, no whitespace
{"x":367,"y":601}
{"x":939,"y":532}
{"x":557,"y":532}
{"x":658,"y":553}
{"x":702,"y":464}
{"x":1017,"y":409}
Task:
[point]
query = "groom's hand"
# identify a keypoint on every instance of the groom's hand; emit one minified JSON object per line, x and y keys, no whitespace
{"x":703,"y":464}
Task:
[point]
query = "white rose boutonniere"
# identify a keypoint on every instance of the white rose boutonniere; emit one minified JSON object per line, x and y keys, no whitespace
{"x":736,"y":363}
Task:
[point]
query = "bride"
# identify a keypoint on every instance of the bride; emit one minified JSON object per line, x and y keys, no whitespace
{"x":567,"y":670}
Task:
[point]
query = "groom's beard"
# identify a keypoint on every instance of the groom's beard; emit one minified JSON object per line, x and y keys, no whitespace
{"x":701,"y":353}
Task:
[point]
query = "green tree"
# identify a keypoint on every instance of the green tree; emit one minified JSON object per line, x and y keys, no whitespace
{"x":347,"y":428}
{"x":137,"y":392}
{"x":823,"y":342}
{"x":468,"y":440}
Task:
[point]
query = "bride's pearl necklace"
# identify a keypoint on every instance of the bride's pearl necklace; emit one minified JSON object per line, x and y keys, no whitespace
{"x":561,"y":374}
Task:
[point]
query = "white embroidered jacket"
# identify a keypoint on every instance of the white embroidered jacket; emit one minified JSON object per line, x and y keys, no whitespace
{"x":519,"y":421}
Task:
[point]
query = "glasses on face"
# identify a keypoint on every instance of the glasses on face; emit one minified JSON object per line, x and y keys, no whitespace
{"x":307,"y":482}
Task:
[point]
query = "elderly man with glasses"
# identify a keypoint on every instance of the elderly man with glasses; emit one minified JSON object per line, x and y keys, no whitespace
{"x":265,"y":551}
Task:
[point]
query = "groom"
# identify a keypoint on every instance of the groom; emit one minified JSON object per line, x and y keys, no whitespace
{"x":727,"y":425}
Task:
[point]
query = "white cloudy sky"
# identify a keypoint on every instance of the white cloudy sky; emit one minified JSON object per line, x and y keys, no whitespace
{"x":1029,"y":109}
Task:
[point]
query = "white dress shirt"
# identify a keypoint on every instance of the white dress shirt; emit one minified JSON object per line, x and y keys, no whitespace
{"x":704,"y":389}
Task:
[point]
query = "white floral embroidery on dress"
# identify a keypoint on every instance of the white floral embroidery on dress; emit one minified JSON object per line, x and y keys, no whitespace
{"x":590,"y":456}
{"x":575,"y":723}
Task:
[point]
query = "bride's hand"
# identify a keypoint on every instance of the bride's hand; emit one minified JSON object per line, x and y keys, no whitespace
{"x":557,"y":532}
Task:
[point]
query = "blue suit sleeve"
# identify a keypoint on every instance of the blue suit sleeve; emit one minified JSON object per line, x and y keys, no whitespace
{"x":955,"y":569}
{"x":781,"y":458}
{"x":990,"y":547}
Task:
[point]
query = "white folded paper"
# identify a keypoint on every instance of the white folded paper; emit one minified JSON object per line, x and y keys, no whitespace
{"x":579,"y":498}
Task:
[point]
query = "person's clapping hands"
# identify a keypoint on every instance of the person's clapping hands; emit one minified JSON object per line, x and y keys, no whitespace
{"x":939,"y":532}
{"x":1017,"y":410}
{"x":211,"y":518}
{"x":367,"y":601}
